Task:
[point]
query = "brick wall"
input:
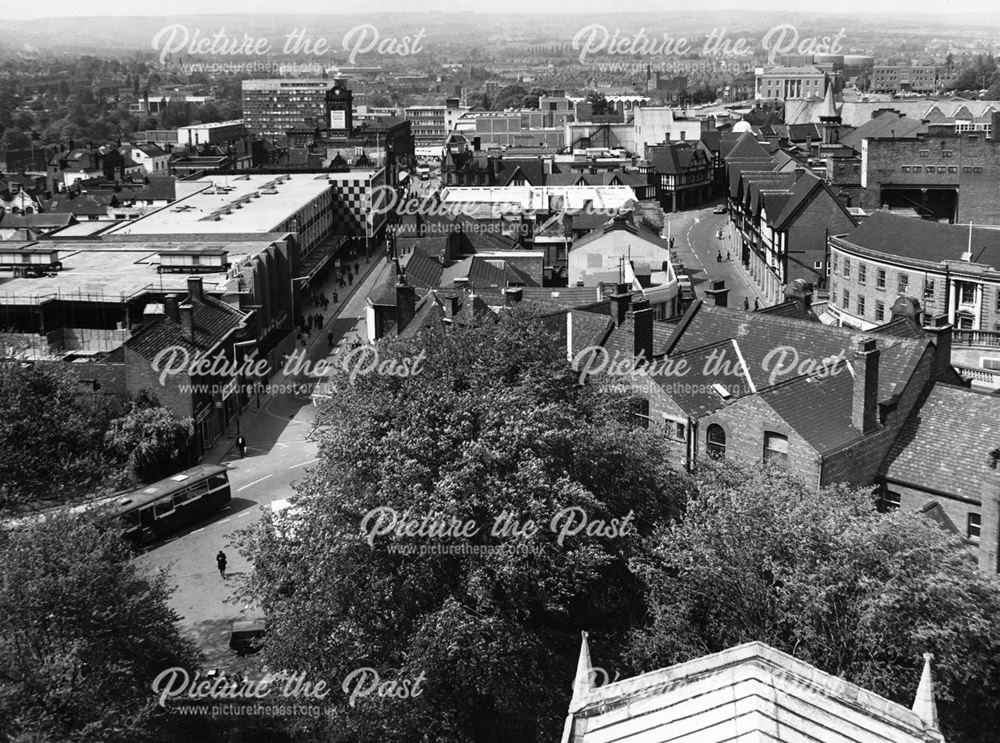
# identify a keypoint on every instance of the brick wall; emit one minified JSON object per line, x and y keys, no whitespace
{"x":142,"y":376}
{"x":807,"y":235}
{"x":974,"y":159}
{"x":988,"y":545}
{"x":745,"y":422}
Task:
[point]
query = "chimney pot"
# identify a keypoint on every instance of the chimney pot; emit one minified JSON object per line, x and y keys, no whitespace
{"x":940,"y":333}
{"x":719,"y":293}
{"x":642,"y":330}
{"x":620,"y":302}
{"x":513,"y":295}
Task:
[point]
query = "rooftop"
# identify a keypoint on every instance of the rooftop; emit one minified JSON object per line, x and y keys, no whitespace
{"x":247,"y":203}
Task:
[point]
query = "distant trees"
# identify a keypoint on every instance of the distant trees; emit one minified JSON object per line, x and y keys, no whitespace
{"x":823,"y":576}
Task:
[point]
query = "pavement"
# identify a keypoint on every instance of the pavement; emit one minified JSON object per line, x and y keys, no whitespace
{"x":697,"y":248}
{"x":279,"y":451}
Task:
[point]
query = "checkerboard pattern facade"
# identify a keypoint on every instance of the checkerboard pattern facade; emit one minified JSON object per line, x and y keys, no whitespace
{"x":352,"y":204}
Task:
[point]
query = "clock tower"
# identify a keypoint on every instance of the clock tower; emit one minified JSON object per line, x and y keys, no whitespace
{"x":339,"y":105}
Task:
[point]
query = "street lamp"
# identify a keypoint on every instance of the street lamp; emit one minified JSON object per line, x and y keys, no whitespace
{"x":239,"y":382}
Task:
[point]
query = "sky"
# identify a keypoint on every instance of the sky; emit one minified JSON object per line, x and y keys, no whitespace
{"x":85,"y":8}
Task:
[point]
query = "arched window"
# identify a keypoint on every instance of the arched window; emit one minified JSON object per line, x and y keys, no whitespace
{"x":776,"y":448}
{"x":716,"y":440}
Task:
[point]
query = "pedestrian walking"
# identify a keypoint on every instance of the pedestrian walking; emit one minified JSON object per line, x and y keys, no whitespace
{"x":357,"y":267}
{"x":756,"y":304}
{"x":336,"y":298}
{"x":671,"y":243}
{"x":241,"y":445}
{"x":746,"y":303}
{"x":220,"y":560}
{"x":718,"y":257}
{"x":329,"y":339}
{"x":728,"y":259}
{"x":341,"y":283}
{"x":319,"y":321}
{"x":350,"y":280}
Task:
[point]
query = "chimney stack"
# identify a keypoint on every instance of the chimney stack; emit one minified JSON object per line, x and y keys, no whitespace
{"x":513,"y":295}
{"x":451,"y":304}
{"x":406,"y":304}
{"x":170,"y":308}
{"x":864,"y":402}
{"x":187,"y":322}
{"x":642,"y":330}
{"x":939,"y":332}
{"x":620,"y":302}
{"x":195,"y":289}
{"x":719,"y":294}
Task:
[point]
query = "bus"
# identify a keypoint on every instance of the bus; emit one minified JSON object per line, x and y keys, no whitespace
{"x":155,"y":510}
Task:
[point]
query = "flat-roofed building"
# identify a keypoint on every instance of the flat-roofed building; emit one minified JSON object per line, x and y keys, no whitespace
{"x":272,"y":107}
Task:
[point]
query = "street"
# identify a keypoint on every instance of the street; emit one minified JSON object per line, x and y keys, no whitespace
{"x":279,"y":452}
{"x":698,"y":249}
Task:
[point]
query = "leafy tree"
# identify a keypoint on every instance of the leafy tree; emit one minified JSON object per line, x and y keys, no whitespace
{"x":494,"y":422}
{"x":85,"y":633}
{"x":823,"y":576}
{"x":149,"y":438}
{"x":50,"y":437}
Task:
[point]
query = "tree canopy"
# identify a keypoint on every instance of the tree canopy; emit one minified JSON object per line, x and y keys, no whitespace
{"x":825,"y":577}
{"x":494,"y":423}
{"x":85,"y":633}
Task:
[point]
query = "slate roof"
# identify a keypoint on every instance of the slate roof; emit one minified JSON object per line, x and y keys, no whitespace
{"x":623,"y":224}
{"x":926,"y":241}
{"x":211,"y":321}
{"x":819,"y":410}
{"x":676,"y":158}
{"x":885,"y":125}
{"x":423,"y":270}
{"x":953,"y":431}
{"x":759,"y":334}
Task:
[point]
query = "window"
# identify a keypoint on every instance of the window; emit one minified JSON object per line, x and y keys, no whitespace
{"x":861,"y":306}
{"x":930,"y":169}
{"x":836,"y":262}
{"x":880,"y":278}
{"x":975,"y":524}
{"x":998,"y":301}
{"x":818,"y":265}
{"x":977,"y":168}
{"x":905,"y":168}
{"x":846,"y":299}
{"x":676,"y":429}
{"x":947,"y":153}
{"x":924,"y":153}
{"x":942,"y":169}
{"x":890,"y":500}
{"x":880,"y":311}
{"x":968,"y":293}
{"x":952,"y":169}
{"x":847,"y":268}
{"x":928,"y":287}
{"x":862,"y":273}
{"x":776,"y":449}
{"x":716,"y":441}
{"x":163,"y":507}
{"x":966,"y":168}
{"x":903,"y":284}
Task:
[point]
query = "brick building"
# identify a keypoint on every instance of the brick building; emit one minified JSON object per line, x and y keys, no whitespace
{"x":909,"y":79}
{"x":941,"y":173}
{"x":789,"y":83}
{"x":683,"y":174}
{"x":832,"y":405}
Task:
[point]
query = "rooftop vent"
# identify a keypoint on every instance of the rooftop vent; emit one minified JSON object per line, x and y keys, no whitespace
{"x":721,"y":391}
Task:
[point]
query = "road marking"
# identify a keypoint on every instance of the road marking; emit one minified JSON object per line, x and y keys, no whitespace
{"x":223,"y":521}
{"x":241,"y":515}
{"x":303,"y":464}
{"x":261,"y":479}
{"x":198,"y":530}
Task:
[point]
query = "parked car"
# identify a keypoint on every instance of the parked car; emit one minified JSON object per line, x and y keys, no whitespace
{"x":247,"y":636}
{"x":721,"y":209}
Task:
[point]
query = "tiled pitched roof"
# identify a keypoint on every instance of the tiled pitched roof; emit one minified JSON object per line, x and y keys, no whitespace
{"x":940,"y":439}
{"x":885,"y":125}
{"x":818,"y":409}
{"x":421,"y":267}
{"x":759,"y":334}
{"x":676,"y":158}
{"x":927,"y":241}
{"x":211,"y":321}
